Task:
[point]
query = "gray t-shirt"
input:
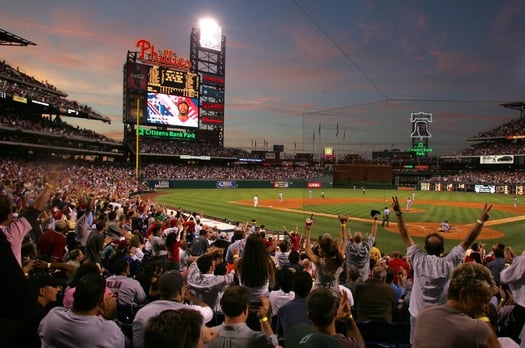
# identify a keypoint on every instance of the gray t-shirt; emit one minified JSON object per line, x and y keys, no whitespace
{"x":63,"y":328}
{"x":442,"y":326}
{"x":431,"y":276}
{"x":128,"y":290}
{"x":241,"y":336}
{"x":358,"y":256}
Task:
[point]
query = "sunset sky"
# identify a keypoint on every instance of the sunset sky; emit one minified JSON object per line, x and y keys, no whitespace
{"x":296,"y":69}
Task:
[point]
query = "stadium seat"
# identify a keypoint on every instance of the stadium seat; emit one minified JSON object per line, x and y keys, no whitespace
{"x":379,"y":333}
{"x":125,"y":316}
{"x":126,"y":313}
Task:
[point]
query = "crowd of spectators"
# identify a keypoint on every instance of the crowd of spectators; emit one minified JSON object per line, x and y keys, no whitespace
{"x":481,"y":177}
{"x":6,"y":70}
{"x":92,"y":263}
{"x":238,"y":172}
{"x":503,"y":147}
{"x":513,"y":127}
{"x":55,"y":126}
{"x":21,"y":179}
{"x":15,"y":82}
{"x":125,"y":237}
{"x":155,"y":260}
{"x":488,"y":145}
{"x":190,"y":148}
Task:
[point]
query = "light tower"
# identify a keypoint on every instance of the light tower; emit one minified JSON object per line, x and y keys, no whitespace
{"x":207,"y":56}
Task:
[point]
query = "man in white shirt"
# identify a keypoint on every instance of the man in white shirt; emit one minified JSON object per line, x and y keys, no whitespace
{"x":204,"y":282}
{"x":432,"y":271}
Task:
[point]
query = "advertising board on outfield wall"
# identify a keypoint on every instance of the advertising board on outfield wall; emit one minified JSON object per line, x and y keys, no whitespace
{"x":280,"y":184}
{"x":496,"y":159}
{"x":507,"y":189}
{"x":227,"y":184}
{"x":232,"y":184}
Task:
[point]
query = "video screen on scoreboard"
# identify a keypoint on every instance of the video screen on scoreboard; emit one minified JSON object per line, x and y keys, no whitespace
{"x":172,"y":110}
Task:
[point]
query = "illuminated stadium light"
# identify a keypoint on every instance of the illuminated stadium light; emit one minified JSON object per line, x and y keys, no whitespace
{"x":210,"y":34}
{"x":39,"y":102}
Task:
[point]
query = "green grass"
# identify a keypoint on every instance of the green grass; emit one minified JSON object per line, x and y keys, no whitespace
{"x":217,"y":202}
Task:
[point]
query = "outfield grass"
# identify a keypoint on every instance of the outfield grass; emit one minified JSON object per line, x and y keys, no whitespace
{"x":218,"y":202}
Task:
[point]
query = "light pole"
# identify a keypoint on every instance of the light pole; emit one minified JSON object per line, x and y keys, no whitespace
{"x":137,"y":147}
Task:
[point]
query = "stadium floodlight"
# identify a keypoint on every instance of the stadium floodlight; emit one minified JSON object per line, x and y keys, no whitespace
{"x":210,"y":34}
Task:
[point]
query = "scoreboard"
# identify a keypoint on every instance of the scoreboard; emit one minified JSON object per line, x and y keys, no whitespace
{"x":173,"y":82}
{"x":153,"y":92}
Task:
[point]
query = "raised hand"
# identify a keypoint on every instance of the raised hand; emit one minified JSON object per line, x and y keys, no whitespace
{"x":108,"y":306}
{"x":485,"y":213}
{"x":343,"y":218}
{"x":395,"y":205}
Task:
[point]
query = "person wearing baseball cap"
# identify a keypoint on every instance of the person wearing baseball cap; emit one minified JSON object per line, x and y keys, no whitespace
{"x":45,"y":289}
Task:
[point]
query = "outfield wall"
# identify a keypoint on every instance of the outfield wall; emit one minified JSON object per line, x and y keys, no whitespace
{"x":226,"y":184}
{"x":509,"y":189}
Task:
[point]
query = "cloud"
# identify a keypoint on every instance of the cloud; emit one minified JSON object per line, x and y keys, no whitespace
{"x":461,"y":63}
{"x":507,"y":18}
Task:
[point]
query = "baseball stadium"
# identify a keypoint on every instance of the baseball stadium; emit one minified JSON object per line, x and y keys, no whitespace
{"x":168,"y":162}
{"x":172,"y":165}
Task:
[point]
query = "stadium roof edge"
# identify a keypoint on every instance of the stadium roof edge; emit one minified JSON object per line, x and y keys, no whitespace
{"x":10,"y":39}
{"x":520,"y":106}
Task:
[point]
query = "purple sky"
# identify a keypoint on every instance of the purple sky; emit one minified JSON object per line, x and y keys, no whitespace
{"x":292,"y":65}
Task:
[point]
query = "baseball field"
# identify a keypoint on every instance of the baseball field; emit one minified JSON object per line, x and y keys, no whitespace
{"x":428,"y":210}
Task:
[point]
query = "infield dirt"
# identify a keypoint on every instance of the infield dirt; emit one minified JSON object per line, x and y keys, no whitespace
{"x":420,"y":229}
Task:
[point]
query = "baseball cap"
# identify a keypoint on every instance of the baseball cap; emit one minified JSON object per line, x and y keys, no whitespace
{"x":305,"y":336}
{"x":170,"y":283}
